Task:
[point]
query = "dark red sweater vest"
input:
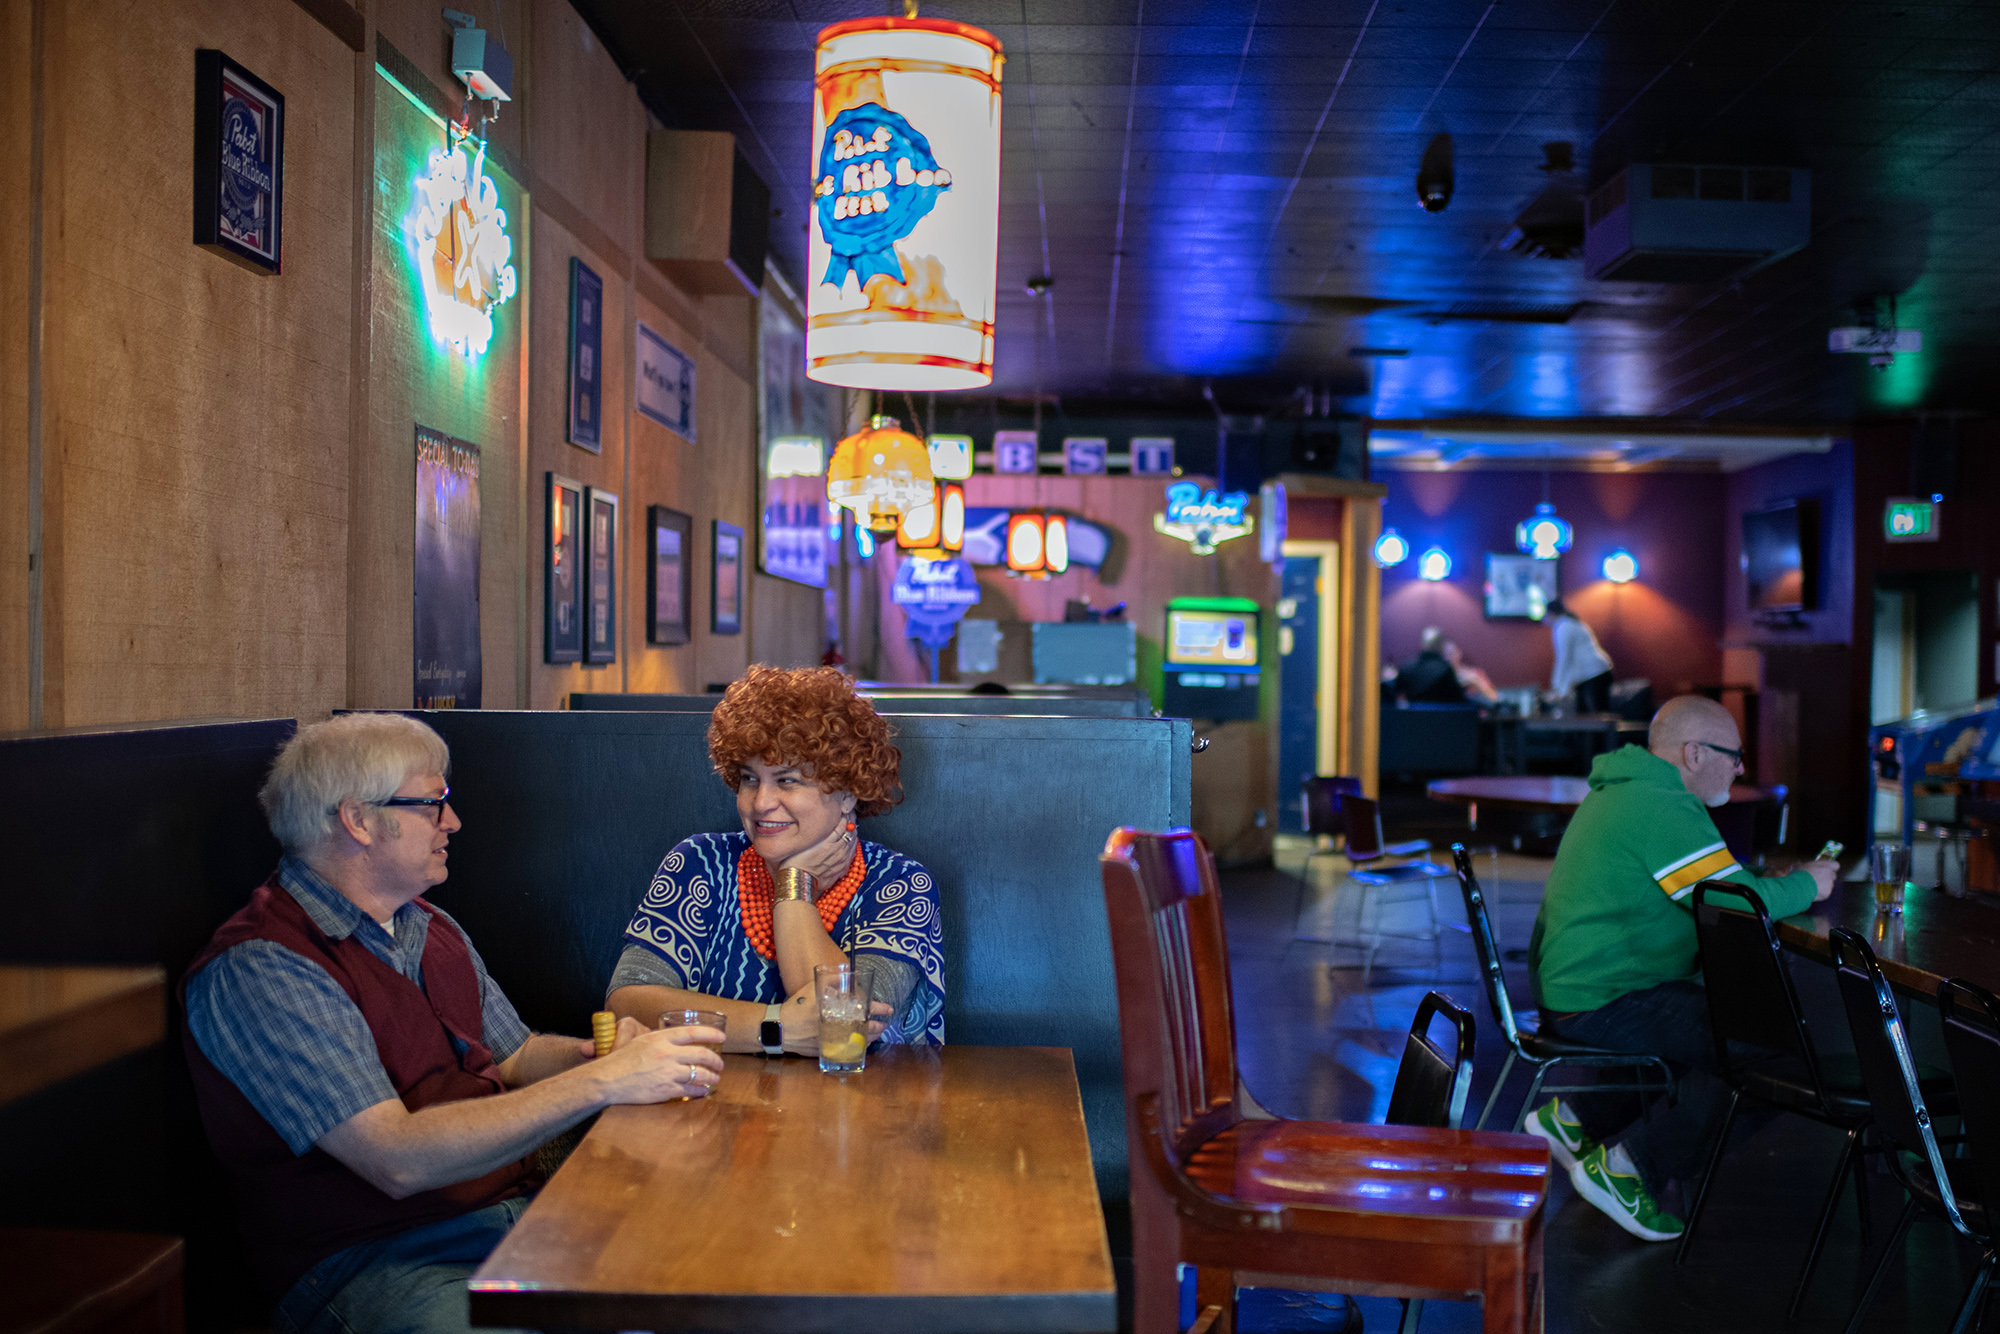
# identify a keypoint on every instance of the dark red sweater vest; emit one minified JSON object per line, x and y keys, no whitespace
{"x":297,"y":1209}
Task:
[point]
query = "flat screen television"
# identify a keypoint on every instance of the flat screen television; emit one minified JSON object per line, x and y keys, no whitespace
{"x":1212,"y":639}
{"x":1781,"y":557}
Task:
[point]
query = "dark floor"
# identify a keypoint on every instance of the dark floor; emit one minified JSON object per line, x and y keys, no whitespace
{"x":1315,"y":1043}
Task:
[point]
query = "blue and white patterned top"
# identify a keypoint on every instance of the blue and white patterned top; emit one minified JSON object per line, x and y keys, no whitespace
{"x":282,"y":1030}
{"x":692,"y":918}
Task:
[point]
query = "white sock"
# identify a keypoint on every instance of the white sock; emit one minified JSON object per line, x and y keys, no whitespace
{"x":1620,"y":1161}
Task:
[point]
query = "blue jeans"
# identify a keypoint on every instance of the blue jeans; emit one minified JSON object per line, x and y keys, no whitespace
{"x":1672,"y":1137}
{"x":411,"y":1283}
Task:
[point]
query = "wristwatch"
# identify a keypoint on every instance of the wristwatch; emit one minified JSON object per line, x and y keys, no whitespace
{"x":771,"y":1032}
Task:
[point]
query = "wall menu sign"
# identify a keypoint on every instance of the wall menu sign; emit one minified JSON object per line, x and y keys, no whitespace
{"x":663,"y":385}
{"x":586,"y":356}
{"x":239,"y":163}
{"x":445,"y":600}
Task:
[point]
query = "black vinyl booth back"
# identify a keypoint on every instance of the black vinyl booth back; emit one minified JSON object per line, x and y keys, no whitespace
{"x":130,"y":847}
{"x":1027,"y":705}
{"x":567,"y":815}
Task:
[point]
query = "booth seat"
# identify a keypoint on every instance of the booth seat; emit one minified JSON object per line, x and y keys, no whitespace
{"x":1046,"y":706}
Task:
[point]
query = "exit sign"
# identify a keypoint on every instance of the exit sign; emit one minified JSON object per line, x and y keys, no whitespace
{"x":1905,"y":519}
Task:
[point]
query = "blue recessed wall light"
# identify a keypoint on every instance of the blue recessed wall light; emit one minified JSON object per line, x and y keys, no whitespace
{"x":1621,"y":567}
{"x":1392,"y":548}
{"x":1434,"y":565}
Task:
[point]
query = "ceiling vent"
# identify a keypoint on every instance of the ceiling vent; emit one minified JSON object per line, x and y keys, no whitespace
{"x":1686,"y":223}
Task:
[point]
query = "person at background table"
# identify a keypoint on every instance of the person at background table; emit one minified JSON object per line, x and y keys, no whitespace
{"x":1614,"y":962}
{"x":1583,"y":668}
{"x":1428,"y":678}
{"x":727,"y":926}
{"x":1476,"y":684}
{"x":367,"y":1084}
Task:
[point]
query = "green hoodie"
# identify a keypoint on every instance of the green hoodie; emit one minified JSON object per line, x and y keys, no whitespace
{"x":1618,"y":914}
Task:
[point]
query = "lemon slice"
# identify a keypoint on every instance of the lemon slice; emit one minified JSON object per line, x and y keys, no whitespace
{"x":851,"y":1049}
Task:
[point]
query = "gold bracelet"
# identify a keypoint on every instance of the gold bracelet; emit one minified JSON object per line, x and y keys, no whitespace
{"x":794,"y":883}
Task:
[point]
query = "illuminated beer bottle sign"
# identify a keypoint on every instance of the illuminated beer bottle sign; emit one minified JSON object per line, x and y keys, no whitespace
{"x":458,"y":240}
{"x":1202,"y":518}
{"x":904,"y":229}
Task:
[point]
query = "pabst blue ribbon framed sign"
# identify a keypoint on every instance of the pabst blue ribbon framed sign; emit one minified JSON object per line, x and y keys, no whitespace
{"x":239,"y":163}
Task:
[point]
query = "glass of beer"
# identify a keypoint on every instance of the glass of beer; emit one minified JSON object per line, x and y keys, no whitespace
{"x":1889,"y":863}
{"x":714,"y":1019}
{"x":843,"y":1020}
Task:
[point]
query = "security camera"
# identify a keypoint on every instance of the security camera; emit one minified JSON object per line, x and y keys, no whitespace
{"x":1434,"y":176}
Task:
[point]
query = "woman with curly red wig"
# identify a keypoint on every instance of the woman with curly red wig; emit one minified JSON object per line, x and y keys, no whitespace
{"x":736,"y":922}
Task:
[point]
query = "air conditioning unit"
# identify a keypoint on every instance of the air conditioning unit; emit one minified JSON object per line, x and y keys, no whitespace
{"x":1662,"y":222}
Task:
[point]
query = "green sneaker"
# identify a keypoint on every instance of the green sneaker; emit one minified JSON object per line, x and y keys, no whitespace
{"x":1556,"y":1126}
{"x":1622,"y":1198}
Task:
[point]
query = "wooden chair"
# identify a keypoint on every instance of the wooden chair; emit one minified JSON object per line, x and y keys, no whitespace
{"x":1251,"y":1200}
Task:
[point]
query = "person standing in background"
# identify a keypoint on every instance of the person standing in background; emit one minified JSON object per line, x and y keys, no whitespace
{"x":1582,"y":666}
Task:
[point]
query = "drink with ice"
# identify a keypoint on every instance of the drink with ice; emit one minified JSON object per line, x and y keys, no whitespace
{"x":843,"y":1020}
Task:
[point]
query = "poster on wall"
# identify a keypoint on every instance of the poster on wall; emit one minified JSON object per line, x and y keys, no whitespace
{"x":445,"y":601}
{"x":725,"y":604}
{"x":600,"y":576}
{"x":796,"y":427}
{"x":663,"y":384}
{"x":669,"y":571}
{"x":239,"y":163}
{"x":562,"y":581}
{"x":1519,"y":586}
{"x":586,"y":356}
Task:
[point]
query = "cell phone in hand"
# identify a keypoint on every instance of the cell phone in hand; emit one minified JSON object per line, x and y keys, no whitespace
{"x":1831,"y":852}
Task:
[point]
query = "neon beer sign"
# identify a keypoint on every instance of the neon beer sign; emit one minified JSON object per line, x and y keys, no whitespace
{"x":1203,"y":519}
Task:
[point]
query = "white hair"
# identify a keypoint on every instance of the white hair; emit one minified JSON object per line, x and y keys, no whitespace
{"x":360,"y":757}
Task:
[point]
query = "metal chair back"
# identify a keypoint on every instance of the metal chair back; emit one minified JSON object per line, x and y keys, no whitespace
{"x":1751,"y":996}
{"x":1485,"y":945}
{"x":1888,"y":1070}
{"x":1971,"y":1016}
{"x":1320,"y":797}
{"x":1363,"y":821}
{"x":1432,"y":1081}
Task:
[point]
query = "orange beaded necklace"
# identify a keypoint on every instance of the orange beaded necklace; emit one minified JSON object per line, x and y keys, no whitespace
{"x":754,"y":894}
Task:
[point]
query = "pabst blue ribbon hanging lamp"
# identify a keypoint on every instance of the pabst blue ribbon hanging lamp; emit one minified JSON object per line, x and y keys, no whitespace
{"x":904,"y":232}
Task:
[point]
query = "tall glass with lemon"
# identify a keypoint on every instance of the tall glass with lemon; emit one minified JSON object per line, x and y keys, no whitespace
{"x":843,"y":1020}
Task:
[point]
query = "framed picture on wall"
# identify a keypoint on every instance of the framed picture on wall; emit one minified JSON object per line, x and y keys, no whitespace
{"x":669,"y":575}
{"x":663,"y":383}
{"x":725,"y":607}
{"x":239,"y":164}
{"x":1519,"y":587}
{"x":562,"y":579}
{"x":600,"y":576}
{"x":586,"y":356}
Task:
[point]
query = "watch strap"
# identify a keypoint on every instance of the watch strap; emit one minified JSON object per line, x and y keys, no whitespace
{"x":772,"y":1031}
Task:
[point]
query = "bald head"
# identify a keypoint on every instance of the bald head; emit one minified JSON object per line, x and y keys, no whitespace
{"x":1692,"y":733}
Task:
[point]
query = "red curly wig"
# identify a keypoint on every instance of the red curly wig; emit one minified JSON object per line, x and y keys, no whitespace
{"x":808,"y":716}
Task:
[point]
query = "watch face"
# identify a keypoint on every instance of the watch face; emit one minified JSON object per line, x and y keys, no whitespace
{"x":772,"y":1035}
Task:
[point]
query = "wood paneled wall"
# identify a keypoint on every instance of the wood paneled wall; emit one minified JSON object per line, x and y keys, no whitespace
{"x":227,"y":461}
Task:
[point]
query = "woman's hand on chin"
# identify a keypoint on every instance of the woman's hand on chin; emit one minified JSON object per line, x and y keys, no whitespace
{"x":827,"y":860}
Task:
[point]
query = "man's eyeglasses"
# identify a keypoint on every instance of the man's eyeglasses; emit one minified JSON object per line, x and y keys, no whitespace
{"x":436,"y":804}
{"x":1735,"y":755}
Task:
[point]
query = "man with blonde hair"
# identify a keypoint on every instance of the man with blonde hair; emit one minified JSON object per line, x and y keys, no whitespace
{"x":1614,"y":956}
{"x":371,"y":1090}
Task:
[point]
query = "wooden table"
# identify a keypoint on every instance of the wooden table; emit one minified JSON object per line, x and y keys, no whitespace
{"x":1526,"y":792}
{"x":940,"y":1189}
{"x":60,"y":1021}
{"x":1934,"y":937}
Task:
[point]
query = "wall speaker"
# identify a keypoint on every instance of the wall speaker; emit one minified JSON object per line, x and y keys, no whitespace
{"x":707,"y":212}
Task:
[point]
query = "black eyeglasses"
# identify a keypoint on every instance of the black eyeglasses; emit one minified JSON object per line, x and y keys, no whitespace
{"x":1735,"y":755}
{"x":436,"y":804}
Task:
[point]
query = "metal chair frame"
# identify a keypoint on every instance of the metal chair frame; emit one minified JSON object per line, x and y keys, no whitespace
{"x":1890,"y":1072}
{"x":1506,"y":1017}
{"x":1752,"y":999}
{"x":1365,"y":847}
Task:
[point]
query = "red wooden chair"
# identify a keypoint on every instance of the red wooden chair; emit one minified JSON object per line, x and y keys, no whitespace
{"x":1254,"y":1201}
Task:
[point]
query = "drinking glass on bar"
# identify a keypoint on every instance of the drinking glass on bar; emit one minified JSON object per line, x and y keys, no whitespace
{"x":1889,"y":863}
{"x":714,"y":1019}
{"x":843,"y":1019}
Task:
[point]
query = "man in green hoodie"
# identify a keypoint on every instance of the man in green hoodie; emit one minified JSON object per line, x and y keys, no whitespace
{"x":1614,"y":956}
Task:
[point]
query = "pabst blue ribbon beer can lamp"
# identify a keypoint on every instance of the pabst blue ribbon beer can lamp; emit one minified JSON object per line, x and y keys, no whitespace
{"x":904,"y":232}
